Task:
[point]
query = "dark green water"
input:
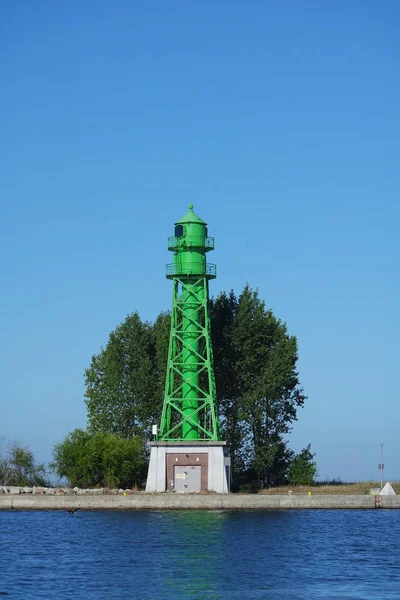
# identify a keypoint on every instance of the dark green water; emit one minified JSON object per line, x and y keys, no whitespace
{"x":195,"y":555}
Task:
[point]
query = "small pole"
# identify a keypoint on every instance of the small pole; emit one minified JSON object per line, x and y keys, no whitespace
{"x":381,"y":465}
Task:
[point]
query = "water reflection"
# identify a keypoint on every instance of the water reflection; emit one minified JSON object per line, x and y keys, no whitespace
{"x":192,"y":559}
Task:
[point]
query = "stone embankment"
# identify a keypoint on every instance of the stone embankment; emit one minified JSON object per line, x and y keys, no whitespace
{"x":96,"y":499}
{"x":61,"y":491}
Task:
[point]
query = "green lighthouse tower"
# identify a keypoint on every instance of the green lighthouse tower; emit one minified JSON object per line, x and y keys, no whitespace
{"x":187,"y":454}
{"x":189,"y":411}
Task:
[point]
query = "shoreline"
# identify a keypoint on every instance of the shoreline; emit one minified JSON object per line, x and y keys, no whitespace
{"x":165,"y":501}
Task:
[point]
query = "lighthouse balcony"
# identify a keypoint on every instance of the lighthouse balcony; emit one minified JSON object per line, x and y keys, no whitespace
{"x":206,"y":243}
{"x":193,"y":269}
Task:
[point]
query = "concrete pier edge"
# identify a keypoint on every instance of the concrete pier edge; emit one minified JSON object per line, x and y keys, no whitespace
{"x":163,"y":501}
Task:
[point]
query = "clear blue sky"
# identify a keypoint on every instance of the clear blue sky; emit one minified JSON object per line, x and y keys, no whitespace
{"x":278,"y":120}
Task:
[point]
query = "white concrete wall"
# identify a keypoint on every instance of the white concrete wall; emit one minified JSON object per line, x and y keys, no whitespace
{"x":217,"y":473}
{"x":157,"y":471}
{"x":217,"y":476}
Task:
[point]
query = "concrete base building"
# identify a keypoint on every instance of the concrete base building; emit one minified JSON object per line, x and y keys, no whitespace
{"x":195,"y":466}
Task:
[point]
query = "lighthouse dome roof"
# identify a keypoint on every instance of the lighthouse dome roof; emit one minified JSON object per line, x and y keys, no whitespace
{"x":191,"y":217}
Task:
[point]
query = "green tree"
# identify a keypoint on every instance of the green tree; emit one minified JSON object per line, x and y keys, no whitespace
{"x":223,"y":313}
{"x":257,"y":385}
{"x":109,"y":460}
{"x":19,"y":468}
{"x":125,"y":381}
{"x":303,"y":469}
{"x":161,"y":331}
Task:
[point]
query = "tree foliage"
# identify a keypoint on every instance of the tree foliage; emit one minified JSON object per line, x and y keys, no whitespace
{"x":109,"y":460}
{"x":19,"y":468}
{"x":125,"y":381}
{"x":257,"y":385}
{"x":258,"y":388}
{"x":303,"y":469}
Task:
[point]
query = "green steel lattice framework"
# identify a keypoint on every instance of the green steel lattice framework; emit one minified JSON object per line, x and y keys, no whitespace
{"x":189,"y":409}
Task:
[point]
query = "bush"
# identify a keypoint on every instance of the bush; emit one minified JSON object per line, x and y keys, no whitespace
{"x":18,"y":467}
{"x":303,"y":469}
{"x":100,"y":459}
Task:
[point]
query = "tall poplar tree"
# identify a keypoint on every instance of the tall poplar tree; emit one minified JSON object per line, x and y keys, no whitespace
{"x":257,"y":384}
{"x":125,"y":381}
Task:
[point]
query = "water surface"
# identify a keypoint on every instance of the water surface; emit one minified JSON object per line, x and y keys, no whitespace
{"x":211,"y":555}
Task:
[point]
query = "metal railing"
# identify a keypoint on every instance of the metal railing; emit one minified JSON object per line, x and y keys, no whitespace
{"x":209,"y":270}
{"x":191,"y":242}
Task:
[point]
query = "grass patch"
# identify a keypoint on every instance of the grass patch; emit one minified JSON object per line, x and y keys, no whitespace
{"x":359,"y":487}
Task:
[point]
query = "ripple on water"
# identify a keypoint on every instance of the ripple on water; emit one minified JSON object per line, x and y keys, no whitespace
{"x":213,"y":555}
